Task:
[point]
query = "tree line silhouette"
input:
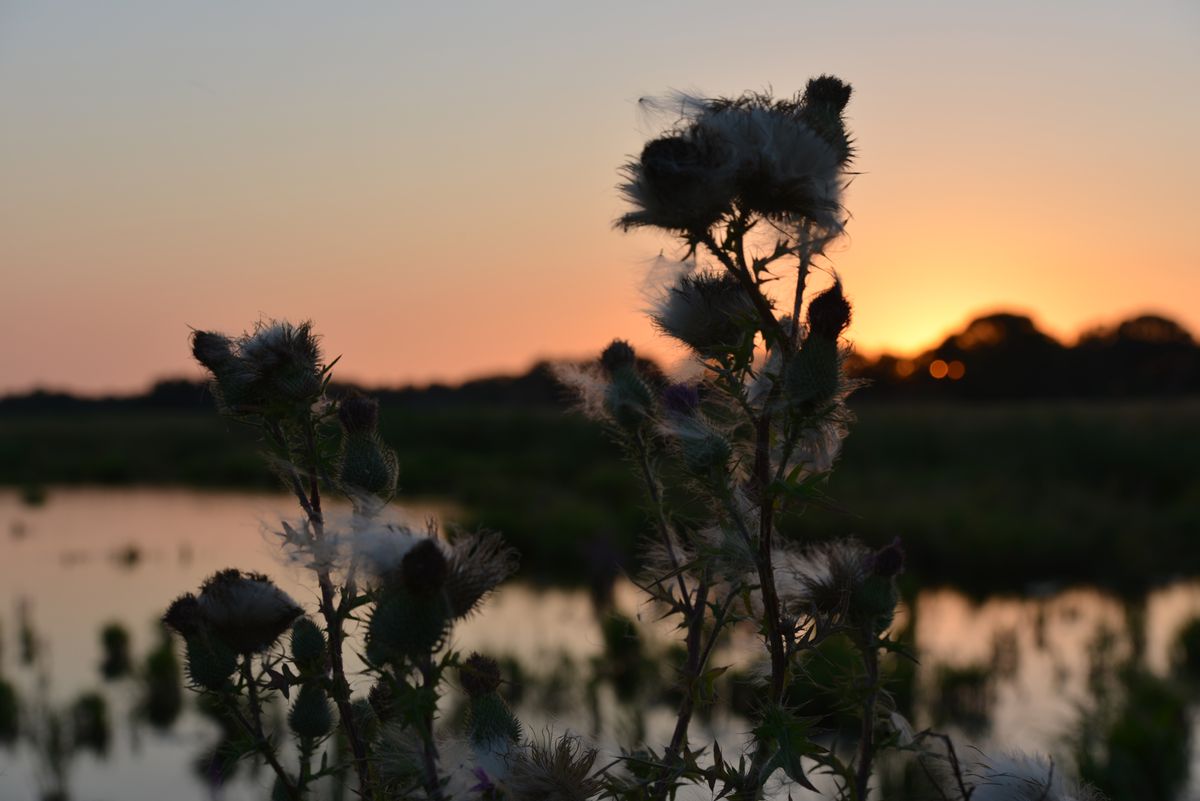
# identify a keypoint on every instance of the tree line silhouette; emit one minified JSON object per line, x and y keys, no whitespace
{"x":1001,"y":356}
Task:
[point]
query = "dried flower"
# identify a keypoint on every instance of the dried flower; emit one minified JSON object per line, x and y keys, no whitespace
{"x":553,"y":769}
{"x":479,"y":562}
{"x":1021,"y":777}
{"x":709,"y":312}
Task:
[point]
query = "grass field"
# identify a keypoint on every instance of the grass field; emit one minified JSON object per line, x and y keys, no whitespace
{"x":986,"y":498}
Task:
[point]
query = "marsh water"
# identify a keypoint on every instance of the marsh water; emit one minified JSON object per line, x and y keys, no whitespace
{"x":1003,"y":672}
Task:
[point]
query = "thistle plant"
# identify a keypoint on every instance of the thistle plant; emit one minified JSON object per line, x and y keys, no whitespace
{"x":386,"y":590}
{"x":751,"y":188}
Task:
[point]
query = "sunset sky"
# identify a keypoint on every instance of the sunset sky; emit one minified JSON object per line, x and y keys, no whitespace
{"x":434,"y":184}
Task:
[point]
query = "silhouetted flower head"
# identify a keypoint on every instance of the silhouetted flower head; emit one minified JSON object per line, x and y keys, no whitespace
{"x":553,"y":769}
{"x":829,"y":313}
{"x":359,"y":414}
{"x":245,"y":610}
{"x":782,"y":159}
{"x":424,"y":568}
{"x":184,"y":615}
{"x":709,"y":312}
{"x":618,"y":354}
{"x":276,"y":367}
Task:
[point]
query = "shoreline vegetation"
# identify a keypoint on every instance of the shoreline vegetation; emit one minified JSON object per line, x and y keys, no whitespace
{"x":1001,"y":496}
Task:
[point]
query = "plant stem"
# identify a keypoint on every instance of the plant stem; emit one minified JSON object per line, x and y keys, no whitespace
{"x":801,"y":278}
{"x":654,"y":490}
{"x":433,"y":783}
{"x":866,"y":746}
{"x":771,"y":327}
{"x":692,"y":669}
{"x":766,"y":570}
{"x":333,"y":622}
{"x":254,"y":728}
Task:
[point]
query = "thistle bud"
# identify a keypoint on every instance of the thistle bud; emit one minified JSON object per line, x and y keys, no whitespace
{"x":827,"y":92}
{"x":813,"y":373}
{"x":210,"y":662}
{"x":382,"y":699}
{"x":617,"y":355}
{"x":888,"y":561}
{"x":310,"y":716}
{"x":825,"y":99}
{"x":366,"y":465}
{"x":628,"y":398}
{"x":709,"y":313}
{"x":705,"y":450}
{"x":479,"y":675}
{"x":829,"y":313}
{"x":405,"y":625}
{"x":308,"y":644}
{"x":681,"y":399}
{"x":359,"y":414}
{"x":424,"y":568}
{"x":873,"y":604}
{"x":491,"y":723}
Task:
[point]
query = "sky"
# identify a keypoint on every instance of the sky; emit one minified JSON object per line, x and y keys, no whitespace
{"x":433,"y":184}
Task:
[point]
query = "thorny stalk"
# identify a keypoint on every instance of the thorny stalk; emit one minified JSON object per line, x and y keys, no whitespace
{"x":254,"y":728}
{"x":330,"y":611}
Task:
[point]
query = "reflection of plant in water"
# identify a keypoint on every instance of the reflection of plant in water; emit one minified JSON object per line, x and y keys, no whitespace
{"x":963,"y":696}
{"x":162,"y":677}
{"x":117,"y":663}
{"x":1134,"y":742}
{"x":1185,"y":652}
{"x":56,"y":735}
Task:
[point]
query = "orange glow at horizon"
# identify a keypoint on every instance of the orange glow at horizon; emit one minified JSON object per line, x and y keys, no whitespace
{"x":440,"y":204}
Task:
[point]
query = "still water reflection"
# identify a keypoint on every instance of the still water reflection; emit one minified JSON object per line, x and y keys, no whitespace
{"x":1010,"y":672}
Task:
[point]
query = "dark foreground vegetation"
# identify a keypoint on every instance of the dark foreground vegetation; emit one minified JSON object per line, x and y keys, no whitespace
{"x":994,"y":496}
